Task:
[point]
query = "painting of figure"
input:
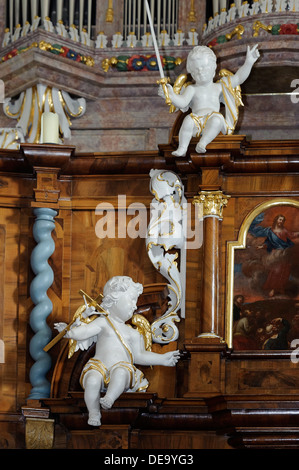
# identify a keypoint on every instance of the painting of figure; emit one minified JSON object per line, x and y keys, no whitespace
{"x":266,"y":282}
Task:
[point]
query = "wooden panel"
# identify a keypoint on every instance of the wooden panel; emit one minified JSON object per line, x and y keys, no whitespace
{"x":181,"y":440}
{"x":107,"y":437}
{"x":9,"y":222}
{"x":95,"y":260}
{"x":262,"y":376}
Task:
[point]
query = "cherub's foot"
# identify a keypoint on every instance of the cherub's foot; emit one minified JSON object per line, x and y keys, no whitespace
{"x":200,"y":148}
{"x":180,"y":152}
{"x":94,"y":419}
{"x":106,"y":402}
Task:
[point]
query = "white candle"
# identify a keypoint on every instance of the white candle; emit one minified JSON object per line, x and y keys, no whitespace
{"x":129,"y":17}
{"x":24,"y":11}
{"x":50,"y":128}
{"x":222,"y":4}
{"x":11,"y":16}
{"x":89,"y":19}
{"x":215,"y":7}
{"x":71,"y":12}
{"x":17,"y":12}
{"x":45,"y":8}
{"x":81,"y":15}
{"x":59,"y":10}
{"x":33,"y":10}
{"x":134,"y":16}
{"x":145,"y":21}
{"x":154,"y":40}
{"x":159,"y":17}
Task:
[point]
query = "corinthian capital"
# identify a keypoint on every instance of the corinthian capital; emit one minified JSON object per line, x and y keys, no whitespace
{"x":213,"y":202}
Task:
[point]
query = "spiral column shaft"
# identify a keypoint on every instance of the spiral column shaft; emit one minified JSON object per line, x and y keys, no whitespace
{"x":42,"y":233}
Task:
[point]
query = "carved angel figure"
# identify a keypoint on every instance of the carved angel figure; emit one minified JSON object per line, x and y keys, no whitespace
{"x":204,"y":98}
{"x":118,"y":346}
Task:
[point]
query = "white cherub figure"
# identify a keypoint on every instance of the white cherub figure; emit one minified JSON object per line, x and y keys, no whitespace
{"x":204,"y":98}
{"x":118,"y":347}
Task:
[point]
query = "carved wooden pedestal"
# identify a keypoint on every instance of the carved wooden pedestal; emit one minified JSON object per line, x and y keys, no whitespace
{"x":39,"y":427}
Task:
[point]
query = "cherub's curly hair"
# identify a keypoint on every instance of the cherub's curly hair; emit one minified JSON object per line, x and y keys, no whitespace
{"x":115,"y":287}
{"x":199,"y":51}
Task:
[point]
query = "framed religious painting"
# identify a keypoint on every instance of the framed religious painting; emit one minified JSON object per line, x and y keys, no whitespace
{"x":262,"y":309}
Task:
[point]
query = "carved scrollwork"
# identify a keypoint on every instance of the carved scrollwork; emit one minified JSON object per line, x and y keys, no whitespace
{"x":165,"y":233}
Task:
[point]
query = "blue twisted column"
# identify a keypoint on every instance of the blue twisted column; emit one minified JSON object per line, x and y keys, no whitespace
{"x":42,"y":229}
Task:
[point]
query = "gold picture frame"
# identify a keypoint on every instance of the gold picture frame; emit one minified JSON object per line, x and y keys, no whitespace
{"x":239,"y":244}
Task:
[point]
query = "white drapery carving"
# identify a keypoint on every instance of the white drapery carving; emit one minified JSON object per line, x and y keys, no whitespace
{"x":30,"y":105}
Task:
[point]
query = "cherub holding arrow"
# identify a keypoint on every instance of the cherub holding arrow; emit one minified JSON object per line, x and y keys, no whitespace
{"x":118,"y":347}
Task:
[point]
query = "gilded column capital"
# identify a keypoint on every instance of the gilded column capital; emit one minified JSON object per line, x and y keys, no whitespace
{"x":213,"y":202}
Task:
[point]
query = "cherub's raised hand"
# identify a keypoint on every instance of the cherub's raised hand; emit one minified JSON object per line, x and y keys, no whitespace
{"x":252,"y":54}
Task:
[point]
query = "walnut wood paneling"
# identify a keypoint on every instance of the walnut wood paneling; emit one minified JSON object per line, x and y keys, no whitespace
{"x":10,"y":234}
{"x":199,"y":404}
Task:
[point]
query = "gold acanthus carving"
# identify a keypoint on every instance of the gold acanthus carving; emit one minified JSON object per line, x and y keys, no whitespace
{"x":39,"y":433}
{"x":213,"y":202}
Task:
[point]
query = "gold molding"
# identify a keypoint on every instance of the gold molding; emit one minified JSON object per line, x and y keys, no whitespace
{"x":109,"y":12}
{"x":191,"y":15}
{"x":257,"y":25}
{"x":213,"y":202}
{"x":238,"y":30}
{"x":237,"y":245}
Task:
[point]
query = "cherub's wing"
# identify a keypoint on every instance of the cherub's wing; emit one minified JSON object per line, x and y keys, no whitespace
{"x":236,"y":91}
{"x":232,"y":99}
{"x":144,"y":328}
{"x":179,"y":86}
{"x":75,"y":345}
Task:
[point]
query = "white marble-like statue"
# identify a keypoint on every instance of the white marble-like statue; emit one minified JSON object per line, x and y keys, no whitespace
{"x":231,"y":14}
{"x":118,"y":347}
{"x":101,"y":41}
{"x":61,"y":29}
{"x":204,"y":98}
{"x":74,"y":34}
{"x":26,"y":29}
{"x":266,"y":6}
{"x":17,"y":33}
{"x":255,"y":7}
{"x":6,"y":39}
{"x":48,"y":25}
{"x":117,"y":40}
